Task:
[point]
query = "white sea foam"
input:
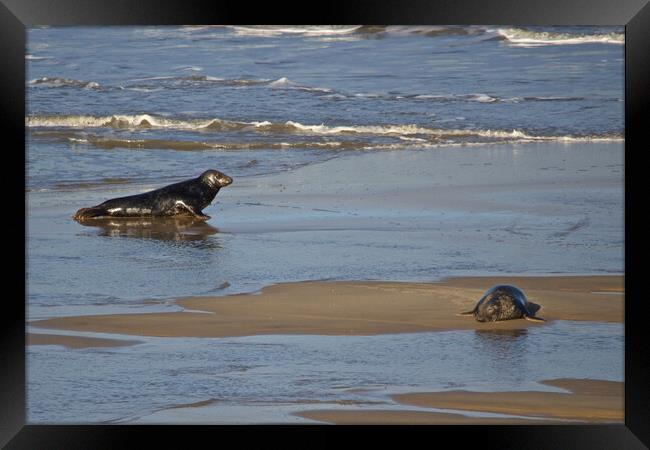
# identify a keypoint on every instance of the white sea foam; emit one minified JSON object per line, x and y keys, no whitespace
{"x":36,"y":58}
{"x":293,"y":30}
{"x":412,"y":139}
{"x":430,"y":97}
{"x":139,"y":89}
{"x":281,"y":82}
{"x":486,"y":98}
{"x":285,"y":83}
{"x":63,"y":82}
{"x":115,"y":121}
{"x":529,"y":38}
{"x":482,"y":98}
{"x":195,"y":77}
{"x":402,"y":131}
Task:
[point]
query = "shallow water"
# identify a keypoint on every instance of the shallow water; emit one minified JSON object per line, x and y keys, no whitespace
{"x":389,"y":153}
{"x":339,"y":220}
{"x":104,"y":384}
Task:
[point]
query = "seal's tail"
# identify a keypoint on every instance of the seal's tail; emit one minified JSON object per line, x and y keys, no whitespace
{"x":467,"y":313}
{"x":89,"y":213}
{"x":534,"y":319}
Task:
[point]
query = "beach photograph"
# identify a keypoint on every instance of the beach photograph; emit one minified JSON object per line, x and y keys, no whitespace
{"x":311,"y":225}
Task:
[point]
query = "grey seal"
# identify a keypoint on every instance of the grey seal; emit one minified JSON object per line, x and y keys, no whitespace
{"x":503,"y":302}
{"x":187,"y":198}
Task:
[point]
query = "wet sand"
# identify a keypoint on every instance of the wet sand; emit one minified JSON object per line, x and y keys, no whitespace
{"x":362,"y":308}
{"x":593,"y":401}
{"x":75,"y":341}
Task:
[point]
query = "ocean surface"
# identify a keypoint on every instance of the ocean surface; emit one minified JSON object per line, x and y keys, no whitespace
{"x":286,"y":111}
{"x":127,"y":104}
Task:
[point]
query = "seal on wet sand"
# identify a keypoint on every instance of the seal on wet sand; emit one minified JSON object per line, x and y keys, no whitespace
{"x":187,"y":198}
{"x":503,"y":302}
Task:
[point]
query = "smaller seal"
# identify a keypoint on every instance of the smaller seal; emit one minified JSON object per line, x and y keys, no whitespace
{"x":503,"y":302}
{"x":187,"y":198}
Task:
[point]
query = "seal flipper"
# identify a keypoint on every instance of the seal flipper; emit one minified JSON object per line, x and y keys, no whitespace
{"x":467,"y":313}
{"x":533,"y":318}
{"x":530,"y":316}
{"x":183,"y":208}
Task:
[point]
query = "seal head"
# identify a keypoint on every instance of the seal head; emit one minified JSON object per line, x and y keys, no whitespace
{"x":215,"y":179}
{"x":503,"y":302}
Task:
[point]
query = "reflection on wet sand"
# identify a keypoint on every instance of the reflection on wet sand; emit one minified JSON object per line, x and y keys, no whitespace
{"x":500,"y":335}
{"x":168,"y":229}
{"x":502,"y":349}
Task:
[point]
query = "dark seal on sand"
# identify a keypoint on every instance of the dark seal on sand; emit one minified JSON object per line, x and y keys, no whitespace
{"x":187,"y":198}
{"x":503,"y":302}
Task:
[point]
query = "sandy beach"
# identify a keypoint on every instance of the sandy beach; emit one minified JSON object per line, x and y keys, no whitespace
{"x":361,"y":308}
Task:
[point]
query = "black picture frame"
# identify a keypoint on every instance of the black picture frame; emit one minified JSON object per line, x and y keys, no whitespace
{"x":16,"y":15}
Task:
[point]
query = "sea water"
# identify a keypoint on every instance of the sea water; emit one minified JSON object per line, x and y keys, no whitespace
{"x":155,"y":104}
{"x":127,"y":383}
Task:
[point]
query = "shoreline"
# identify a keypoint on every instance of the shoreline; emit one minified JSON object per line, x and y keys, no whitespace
{"x":361,"y":308}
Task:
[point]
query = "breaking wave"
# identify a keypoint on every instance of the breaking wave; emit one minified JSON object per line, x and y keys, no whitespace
{"x":278,"y":30}
{"x":408,"y":132}
{"x":197,"y":78}
{"x":515,"y":36}
{"x":358,"y":30}
{"x":530,"y":38}
{"x":285,"y":83}
{"x":63,"y":82}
